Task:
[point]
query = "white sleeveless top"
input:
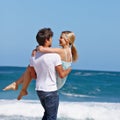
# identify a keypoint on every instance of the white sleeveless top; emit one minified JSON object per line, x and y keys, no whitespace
{"x":65,"y":65}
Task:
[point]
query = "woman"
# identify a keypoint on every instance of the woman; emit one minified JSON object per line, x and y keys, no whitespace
{"x":68,"y":54}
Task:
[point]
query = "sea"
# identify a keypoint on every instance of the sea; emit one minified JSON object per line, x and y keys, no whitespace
{"x":86,"y":95}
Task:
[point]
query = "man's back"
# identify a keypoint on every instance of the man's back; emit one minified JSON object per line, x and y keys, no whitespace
{"x":44,"y":65}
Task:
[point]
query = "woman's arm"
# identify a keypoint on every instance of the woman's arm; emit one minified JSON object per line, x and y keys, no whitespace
{"x":49,"y":50}
{"x":34,"y":53}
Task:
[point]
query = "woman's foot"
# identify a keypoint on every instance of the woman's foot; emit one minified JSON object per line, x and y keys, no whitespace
{"x":22,"y":93}
{"x":12,"y":86}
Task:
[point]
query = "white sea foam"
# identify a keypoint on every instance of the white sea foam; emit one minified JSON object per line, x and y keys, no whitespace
{"x":72,"y":110}
{"x":83,"y":74}
{"x":78,"y":95}
{"x":96,"y":73}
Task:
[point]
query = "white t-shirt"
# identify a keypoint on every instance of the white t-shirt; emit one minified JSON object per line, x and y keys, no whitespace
{"x":44,"y":65}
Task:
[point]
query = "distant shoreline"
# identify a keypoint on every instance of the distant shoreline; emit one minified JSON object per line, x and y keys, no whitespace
{"x":5,"y":66}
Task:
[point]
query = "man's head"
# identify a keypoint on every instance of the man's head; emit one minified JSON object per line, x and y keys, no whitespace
{"x":44,"y":37}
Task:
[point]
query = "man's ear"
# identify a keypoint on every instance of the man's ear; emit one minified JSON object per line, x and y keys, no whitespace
{"x":46,"y":40}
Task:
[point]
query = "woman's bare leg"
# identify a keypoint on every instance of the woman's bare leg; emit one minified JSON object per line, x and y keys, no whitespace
{"x":14,"y":85}
{"x":29,"y":74}
{"x":25,"y":79}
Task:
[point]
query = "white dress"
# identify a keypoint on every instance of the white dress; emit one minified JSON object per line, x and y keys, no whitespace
{"x":66,"y":65}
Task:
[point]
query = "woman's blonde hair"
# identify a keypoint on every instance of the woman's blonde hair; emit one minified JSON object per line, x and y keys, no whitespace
{"x":71,"y":37}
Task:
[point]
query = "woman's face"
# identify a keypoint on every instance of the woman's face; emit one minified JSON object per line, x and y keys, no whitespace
{"x":62,"y":40}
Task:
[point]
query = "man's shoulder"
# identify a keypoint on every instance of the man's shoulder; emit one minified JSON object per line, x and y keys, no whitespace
{"x":52,"y":54}
{"x":46,"y":54}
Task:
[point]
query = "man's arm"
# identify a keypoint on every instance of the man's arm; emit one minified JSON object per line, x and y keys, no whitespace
{"x":61,"y":72}
{"x":30,"y":67}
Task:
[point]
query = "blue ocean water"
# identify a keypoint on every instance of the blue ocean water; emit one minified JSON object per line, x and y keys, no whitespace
{"x":87,"y":95}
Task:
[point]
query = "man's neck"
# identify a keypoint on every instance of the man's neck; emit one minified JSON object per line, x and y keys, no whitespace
{"x":46,"y":46}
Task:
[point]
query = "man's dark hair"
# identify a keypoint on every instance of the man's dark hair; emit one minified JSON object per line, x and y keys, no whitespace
{"x":43,"y":34}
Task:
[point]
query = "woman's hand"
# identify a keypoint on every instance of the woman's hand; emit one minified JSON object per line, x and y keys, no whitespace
{"x":40,"y":48}
{"x":34,"y":52}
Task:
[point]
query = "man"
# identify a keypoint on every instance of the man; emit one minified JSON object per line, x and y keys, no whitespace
{"x":46,"y":65}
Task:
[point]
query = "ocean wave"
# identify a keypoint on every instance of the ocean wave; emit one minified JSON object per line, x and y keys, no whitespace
{"x":99,"y":73}
{"x":108,"y":73}
{"x":82,"y":74}
{"x":77,"y":95}
{"x":68,"y":110}
{"x":6,"y":72}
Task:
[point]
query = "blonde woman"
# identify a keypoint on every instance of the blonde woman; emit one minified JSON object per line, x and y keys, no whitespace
{"x":68,"y":54}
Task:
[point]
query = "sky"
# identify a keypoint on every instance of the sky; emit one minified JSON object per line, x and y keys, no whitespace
{"x":96,"y":24}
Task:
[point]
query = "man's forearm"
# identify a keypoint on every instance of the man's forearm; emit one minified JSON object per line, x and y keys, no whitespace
{"x":65,"y":73}
{"x":61,"y":72}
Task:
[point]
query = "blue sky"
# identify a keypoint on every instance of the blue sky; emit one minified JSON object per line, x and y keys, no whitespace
{"x":96,"y":24}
